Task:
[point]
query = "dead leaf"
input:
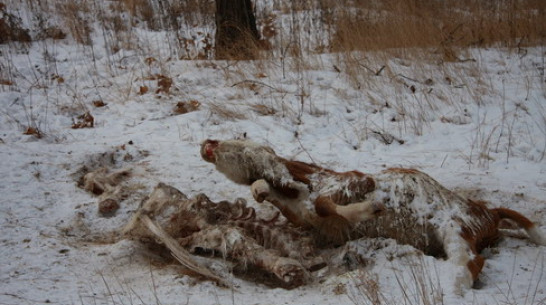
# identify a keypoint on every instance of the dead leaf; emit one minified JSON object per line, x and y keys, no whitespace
{"x":6,"y":82}
{"x":33,"y":131}
{"x":143,"y":90}
{"x":99,"y":103}
{"x":85,"y":120}
{"x":58,"y":78}
{"x":164,"y":84}
{"x":185,"y":107}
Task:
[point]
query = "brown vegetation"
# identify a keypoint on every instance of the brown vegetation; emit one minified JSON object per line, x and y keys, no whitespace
{"x":11,"y":28}
{"x":186,"y":106}
{"x":442,"y":25}
{"x":315,"y":26}
{"x":85,"y":120}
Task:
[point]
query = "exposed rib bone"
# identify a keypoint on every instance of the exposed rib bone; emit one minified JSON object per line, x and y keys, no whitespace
{"x":178,"y":252}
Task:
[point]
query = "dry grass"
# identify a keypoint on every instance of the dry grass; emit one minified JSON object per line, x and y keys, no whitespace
{"x":419,"y":284}
{"x":442,"y":26}
{"x":75,"y":17}
{"x":226,"y":112}
{"x":300,"y":28}
{"x":363,"y":34}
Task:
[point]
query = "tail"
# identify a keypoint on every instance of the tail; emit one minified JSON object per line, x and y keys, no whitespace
{"x":535,"y":234}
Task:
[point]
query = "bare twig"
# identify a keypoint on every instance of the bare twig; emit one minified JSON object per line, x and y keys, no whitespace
{"x":376,"y":73}
{"x":257,"y":83}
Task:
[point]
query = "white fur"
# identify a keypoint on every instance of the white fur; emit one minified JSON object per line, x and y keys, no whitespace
{"x":536,"y":235}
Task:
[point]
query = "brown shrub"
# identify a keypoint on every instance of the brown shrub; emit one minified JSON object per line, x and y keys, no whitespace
{"x":73,"y":14}
{"x":52,"y":33}
{"x":11,"y":28}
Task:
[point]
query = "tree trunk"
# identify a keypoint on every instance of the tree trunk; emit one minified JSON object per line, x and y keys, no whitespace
{"x":236,"y":33}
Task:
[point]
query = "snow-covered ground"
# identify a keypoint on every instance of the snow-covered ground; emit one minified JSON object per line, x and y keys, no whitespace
{"x":477,"y":126}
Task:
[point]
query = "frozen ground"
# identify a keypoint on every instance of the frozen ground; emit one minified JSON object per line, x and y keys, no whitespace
{"x":478,"y":127}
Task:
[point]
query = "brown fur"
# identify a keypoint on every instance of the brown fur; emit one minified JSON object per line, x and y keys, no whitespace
{"x":489,"y":233}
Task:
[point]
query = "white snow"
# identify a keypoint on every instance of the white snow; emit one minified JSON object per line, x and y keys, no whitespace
{"x":483,"y":133}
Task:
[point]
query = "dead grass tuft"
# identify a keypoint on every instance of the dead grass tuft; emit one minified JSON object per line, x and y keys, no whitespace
{"x":33,"y":131}
{"x":75,"y":16}
{"x":225,"y":112}
{"x":11,"y":28}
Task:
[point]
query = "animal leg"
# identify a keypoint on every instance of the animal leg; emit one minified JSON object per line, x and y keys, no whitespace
{"x":293,"y":209}
{"x":459,"y":252}
{"x":353,"y":212}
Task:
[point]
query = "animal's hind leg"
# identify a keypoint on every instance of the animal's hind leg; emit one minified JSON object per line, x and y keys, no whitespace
{"x":460,"y":253}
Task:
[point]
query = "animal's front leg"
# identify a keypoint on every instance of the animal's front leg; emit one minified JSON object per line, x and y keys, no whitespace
{"x":293,"y":209}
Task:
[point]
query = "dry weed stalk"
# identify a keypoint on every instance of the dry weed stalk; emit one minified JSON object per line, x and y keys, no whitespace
{"x":225,"y":112}
{"x":421,"y":286}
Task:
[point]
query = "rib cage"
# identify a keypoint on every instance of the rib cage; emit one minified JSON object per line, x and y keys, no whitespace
{"x":274,"y":233}
{"x":230,"y":230}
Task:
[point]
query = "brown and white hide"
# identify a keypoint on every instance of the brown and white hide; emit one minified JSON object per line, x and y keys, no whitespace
{"x":403,"y":204}
{"x":422,"y":213}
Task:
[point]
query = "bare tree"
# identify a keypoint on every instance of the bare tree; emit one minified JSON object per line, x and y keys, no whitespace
{"x":236,"y":33}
